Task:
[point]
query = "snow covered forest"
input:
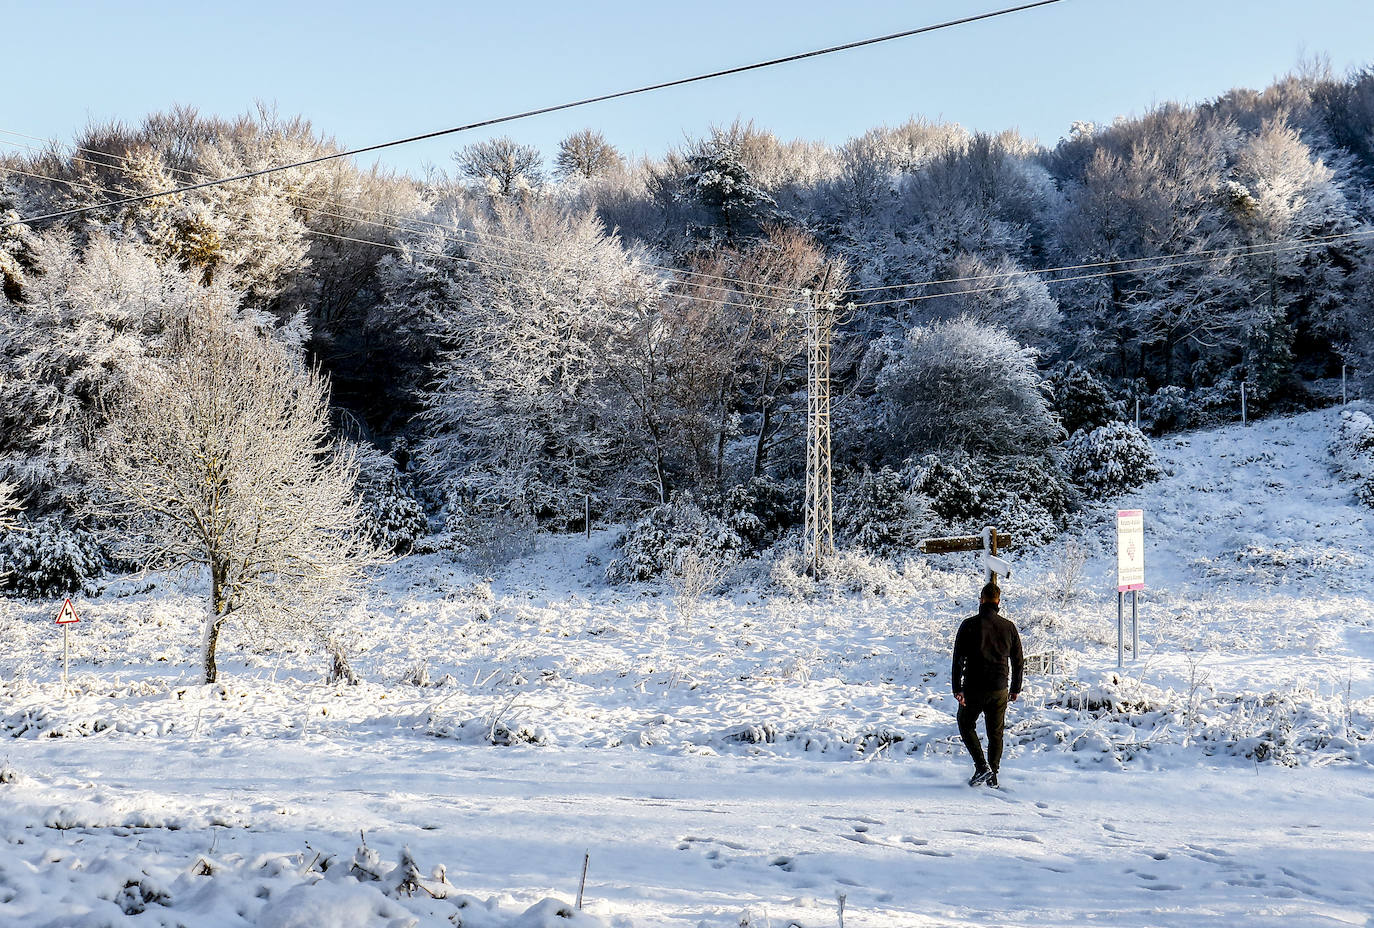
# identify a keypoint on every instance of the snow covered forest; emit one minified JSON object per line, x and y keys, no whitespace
{"x":314,"y":454}
{"x":463,"y":361}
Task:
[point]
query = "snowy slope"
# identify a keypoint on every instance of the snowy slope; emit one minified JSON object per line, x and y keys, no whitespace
{"x":743,"y":764}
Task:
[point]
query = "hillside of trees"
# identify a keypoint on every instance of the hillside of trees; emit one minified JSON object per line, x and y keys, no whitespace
{"x":532,"y":333}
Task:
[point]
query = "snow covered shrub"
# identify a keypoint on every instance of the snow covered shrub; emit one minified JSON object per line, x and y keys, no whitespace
{"x":1353,"y":449}
{"x":956,"y":498}
{"x":1216,"y":404}
{"x":657,"y":543}
{"x":1080,"y":399}
{"x":880,"y":515}
{"x":1027,"y":496}
{"x":966,"y":385}
{"x":1111,"y":460}
{"x":1166,"y":410}
{"x":47,"y":558}
{"x":760,"y":512}
{"x":392,"y":516}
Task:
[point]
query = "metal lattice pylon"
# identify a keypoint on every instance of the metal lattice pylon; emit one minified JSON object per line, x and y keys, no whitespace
{"x":818,"y":540}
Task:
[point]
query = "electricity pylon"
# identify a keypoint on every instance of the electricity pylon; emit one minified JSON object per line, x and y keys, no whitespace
{"x":818,"y":538}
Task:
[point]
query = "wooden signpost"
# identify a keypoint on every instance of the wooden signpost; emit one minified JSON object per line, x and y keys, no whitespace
{"x":990,"y":543}
{"x":66,"y":616}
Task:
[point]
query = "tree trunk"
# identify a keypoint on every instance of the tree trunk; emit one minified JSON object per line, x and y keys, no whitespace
{"x":214,"y":622}
{"x":763,"y":434}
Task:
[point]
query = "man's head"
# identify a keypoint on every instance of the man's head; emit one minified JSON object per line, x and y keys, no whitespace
{"x":991,"y":595}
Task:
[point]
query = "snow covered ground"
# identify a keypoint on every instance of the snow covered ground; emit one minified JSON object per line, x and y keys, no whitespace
{"x":746,"y":762}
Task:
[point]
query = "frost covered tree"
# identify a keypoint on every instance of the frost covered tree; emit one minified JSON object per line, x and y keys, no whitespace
{"x":963,"y":385}
{"x":586,"y":154}
{"x":718,"y":178}
{"x":740,"y":328}
{"x":522,"y":416}
{"x":503,"y":164}
{"x":84,"y":321}
{"x":218,"y":459}
{"x":1280,"y":191}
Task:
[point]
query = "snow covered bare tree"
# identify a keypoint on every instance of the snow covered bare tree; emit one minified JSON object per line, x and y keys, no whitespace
{"x":219,"y":459}
{"x":503,"y":164}
{"x":586,"y":154}
{"x":9,"y":506}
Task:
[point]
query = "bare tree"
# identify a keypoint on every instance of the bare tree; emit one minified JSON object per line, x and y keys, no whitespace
{"x":9,"y":505}
{"x":586,"y":154}
{"x":504,"y":164}
{"x":219,"y":459}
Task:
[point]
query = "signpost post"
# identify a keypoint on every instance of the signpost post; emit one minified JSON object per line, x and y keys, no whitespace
{"x":989,"y":543}
{"x":66,"y":616}
{"x":1130,"y":576}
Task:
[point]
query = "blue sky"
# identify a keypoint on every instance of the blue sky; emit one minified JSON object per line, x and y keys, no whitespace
{"x":368,"y":72}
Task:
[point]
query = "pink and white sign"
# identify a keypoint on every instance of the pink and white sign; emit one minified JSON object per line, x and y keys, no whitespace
{"x":1130,"y":550}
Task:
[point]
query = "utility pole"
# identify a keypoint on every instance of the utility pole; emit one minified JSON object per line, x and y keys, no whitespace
{"x":818,"y":539}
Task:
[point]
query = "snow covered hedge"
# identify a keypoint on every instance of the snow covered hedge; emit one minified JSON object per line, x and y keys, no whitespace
{"x":1111,"y":460}
{"x":48,"y":558}
{"x":1353,"y":449}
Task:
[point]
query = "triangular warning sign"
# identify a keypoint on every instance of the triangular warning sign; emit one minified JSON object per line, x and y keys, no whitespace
{"x":67,"y":614}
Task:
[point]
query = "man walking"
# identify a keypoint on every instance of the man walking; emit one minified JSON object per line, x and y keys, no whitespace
{"x":986,"y":644}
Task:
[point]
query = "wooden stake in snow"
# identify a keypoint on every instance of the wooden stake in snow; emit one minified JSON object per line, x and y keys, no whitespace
{"x":582,"y":886}
{"x":66,"y":616}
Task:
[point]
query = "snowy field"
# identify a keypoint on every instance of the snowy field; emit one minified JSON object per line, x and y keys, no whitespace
{"x":748,"y":761}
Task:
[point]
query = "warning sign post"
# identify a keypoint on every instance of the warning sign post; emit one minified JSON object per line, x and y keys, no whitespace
{"x":1130,"y":576}
{"x":66,"y":617}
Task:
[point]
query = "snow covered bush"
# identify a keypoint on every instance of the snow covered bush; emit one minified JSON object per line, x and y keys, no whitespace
{"x":956,"y":498}
{"x":392,"y":516}
{"x":880,"y":515}
{"x":1081,"y":400}
{"x":657,"y":543}
{"x":1029,"y":497}
{"x":1216,"y":404}
{"x":760,"y":511}
{"x":1167,"y":410}
{"x":1353,"y":449}
{"x":48,"y":558}
{"x":962,"y":384}
{"x":1111,"y":460}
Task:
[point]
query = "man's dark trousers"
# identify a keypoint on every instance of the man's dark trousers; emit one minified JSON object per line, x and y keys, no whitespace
{"x":993,"y":708}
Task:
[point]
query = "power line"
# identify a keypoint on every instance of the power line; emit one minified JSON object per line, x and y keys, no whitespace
{"x":1223,"y":253}
{"x":1159,"y":263}
{"x":772,"y":62}
{"x":1156,"y":263}
{"x":1167,"y":262}
{"x":787,"y":293}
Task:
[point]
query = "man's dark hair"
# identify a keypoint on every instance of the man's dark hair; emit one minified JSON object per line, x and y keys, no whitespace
{"x":992,"y":593}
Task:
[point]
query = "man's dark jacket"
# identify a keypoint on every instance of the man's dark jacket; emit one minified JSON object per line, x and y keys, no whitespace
{"x":986,"y":644}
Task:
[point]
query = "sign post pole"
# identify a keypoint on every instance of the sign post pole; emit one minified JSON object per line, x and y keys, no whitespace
{"x":1135,"y":626}
{"x":1120,"y":630}
{"x":1130,"y":577}
{"x":1243,"y":420}
{"x":1343,"y":397}
{"x":66,"y":616}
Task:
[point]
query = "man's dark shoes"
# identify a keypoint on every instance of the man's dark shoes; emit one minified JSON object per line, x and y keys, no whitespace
{"x":980,"y":776}
{"x":991,"y":779}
